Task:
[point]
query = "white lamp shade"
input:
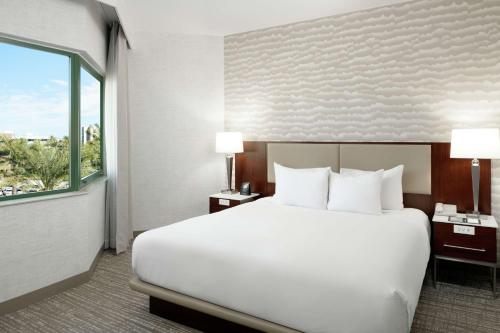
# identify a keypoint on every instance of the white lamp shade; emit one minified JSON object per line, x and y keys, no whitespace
{"x":475,"y":143}
{"x":229,"y":142}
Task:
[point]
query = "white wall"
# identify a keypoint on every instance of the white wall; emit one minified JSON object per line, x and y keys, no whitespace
{"x":176,"y":96}
{"x":73,"y":24}
{"x":47,"y":241}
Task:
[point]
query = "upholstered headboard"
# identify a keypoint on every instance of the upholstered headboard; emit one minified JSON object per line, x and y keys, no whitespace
{"x":415,"y":157}
{"x":302,"y":155}
{"x":430,"y":175}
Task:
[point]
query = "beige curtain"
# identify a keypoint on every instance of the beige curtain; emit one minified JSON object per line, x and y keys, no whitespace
{"x":118,"y":228}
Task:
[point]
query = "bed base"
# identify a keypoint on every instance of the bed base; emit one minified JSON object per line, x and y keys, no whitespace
{"x":194,"y":319}
{"x":202,"y":315}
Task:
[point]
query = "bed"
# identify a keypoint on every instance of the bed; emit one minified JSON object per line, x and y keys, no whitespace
{"x":309,"y":270}
{"x":278,"y":268}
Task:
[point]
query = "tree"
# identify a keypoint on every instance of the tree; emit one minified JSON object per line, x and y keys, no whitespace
{"x":7,"y":176}
{"x":46,"y":162}
{"x":91,"y":153}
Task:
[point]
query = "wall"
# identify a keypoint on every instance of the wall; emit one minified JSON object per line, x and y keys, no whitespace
{"x":46,"y":241}
{"x":176,"y":96}
{"x":408,"y":72}
{"x":75,"y":25}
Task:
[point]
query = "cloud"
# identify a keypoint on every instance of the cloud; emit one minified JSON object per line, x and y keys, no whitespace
{"x":62,"y":83}
{"x":46,"y":113}
{"x":90,"y":103}
{"x":43,"y":115}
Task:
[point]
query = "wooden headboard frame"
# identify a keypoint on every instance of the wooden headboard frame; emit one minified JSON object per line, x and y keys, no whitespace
{"x":450,"y":178}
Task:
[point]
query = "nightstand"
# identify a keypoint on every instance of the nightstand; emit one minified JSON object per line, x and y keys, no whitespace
{"x":466,"y":242}
{"x":221,"y":201}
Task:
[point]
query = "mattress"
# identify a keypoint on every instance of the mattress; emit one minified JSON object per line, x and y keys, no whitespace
{"x":310,"y":270}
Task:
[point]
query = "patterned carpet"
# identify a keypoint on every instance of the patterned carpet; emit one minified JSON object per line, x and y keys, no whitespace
{"x":106,"y":304}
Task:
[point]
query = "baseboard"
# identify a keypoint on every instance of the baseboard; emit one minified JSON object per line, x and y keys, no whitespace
{"x":23,"y":301}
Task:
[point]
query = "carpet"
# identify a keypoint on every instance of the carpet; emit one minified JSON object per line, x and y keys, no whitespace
{"x":462,"y":302}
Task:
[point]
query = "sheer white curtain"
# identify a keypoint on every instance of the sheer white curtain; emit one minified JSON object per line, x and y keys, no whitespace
{"x":118,"y":228}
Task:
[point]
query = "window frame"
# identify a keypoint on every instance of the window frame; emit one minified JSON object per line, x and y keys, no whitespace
{"x":76,"y":61}
{"x":95,"y":74}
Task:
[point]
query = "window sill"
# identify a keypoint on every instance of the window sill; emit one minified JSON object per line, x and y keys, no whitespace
{"x":83,"y":191}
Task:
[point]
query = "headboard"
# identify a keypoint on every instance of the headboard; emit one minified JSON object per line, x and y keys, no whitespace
{"x":430,"y":176}
{"x":415,"y":158}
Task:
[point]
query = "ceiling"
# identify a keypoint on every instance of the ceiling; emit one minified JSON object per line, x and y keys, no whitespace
{"x":226,"y":17}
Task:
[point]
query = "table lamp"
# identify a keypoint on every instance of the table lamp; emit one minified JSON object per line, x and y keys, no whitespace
{"x":229,"y":143}
{"x":475,"y":143}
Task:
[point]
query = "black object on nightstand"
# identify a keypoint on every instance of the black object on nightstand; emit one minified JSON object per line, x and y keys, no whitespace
{"x":466,"y":243}
{"x":221,"y":201}
{"x":245,"y":188}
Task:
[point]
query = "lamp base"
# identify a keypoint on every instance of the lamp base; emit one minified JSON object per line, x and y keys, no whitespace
{"x":475,"y":171}
{"x":227,"y":191}
{"x":229,"y":169}
{"x":474,"y":215}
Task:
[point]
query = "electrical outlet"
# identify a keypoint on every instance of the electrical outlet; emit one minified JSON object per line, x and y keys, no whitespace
{"x":464,"y":230}
{"x":223,"y":202}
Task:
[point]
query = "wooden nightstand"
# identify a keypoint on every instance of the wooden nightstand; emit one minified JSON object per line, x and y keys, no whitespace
{"x":221,"y":201}
{"x":466,"y":242}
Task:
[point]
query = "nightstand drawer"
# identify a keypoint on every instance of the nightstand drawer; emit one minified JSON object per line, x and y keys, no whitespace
{"x":480,"y":246}
{"x":221,"y":201}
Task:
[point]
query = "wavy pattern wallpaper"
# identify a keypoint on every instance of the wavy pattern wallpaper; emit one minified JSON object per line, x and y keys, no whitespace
{"x":406,"y":72}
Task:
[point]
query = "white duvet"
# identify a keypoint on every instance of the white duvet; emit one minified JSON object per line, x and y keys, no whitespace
{"x":310,"y":270}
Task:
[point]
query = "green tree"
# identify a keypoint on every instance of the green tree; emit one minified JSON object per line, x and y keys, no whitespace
{"x":45,"y":162}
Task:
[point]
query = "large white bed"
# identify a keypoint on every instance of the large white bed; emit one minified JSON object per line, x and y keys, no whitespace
{"x":306,"y":269}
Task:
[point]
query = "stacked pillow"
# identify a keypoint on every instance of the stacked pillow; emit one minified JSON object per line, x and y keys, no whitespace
{"x":356,"y":193}
{"x":351,"y":190}
{"x":301,"y":187}
{"x":392,"y":186}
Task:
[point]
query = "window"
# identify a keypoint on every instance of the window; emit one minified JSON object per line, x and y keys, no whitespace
{"x":90,"y":120}
{"x":50,"y":121}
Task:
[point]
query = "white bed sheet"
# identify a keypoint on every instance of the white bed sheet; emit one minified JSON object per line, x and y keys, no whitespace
{"x":311,"y":270}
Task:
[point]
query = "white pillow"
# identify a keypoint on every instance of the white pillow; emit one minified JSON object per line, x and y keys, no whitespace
{"x":301,"y":187}
{"x":392,"y":186}
{"x":356,"y":193}
{"x":333,"y":175}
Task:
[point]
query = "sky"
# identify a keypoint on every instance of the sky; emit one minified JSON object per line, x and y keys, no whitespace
{"x":34,"y":93}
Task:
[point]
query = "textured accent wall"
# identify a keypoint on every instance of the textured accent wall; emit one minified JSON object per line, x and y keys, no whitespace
{"x":407,"y":72}
{"x":404,"y":72}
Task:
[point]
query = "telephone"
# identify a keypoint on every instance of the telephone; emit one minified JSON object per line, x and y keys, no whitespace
{"x":445,"y":210}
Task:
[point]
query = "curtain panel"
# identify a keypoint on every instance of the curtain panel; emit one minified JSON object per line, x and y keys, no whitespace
{"x":118,"y":228}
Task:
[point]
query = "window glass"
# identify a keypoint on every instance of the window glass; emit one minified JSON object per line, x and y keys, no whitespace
{"x":34,"y":120}
{"x":90,"y":120}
